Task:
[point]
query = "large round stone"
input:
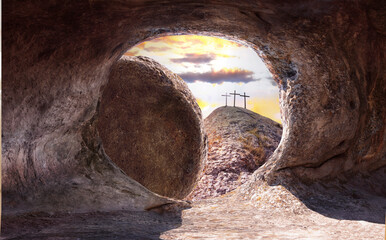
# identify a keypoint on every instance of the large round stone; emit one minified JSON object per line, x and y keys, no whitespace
{"x":151,"y":126}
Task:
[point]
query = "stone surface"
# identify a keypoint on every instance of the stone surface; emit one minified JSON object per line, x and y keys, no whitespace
{"x":278,"y":215}
{"x":240,"y":141}
{"x":151,"y":126}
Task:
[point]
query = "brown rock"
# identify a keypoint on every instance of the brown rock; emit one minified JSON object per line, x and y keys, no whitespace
{"x":151,"y":126}
{"x":240,"y":141}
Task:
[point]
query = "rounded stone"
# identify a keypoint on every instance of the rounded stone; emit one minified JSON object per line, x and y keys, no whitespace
{"x":151,"y":126}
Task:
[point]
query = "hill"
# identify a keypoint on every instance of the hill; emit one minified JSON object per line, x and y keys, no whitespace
{"x":240,"y":141}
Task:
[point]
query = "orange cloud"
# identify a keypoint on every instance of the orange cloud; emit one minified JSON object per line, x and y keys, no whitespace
{"x":141,"y":45}
{"x":131,"y":53}
{"x":185,"y":44}
{"x":224,"y":55}
{"x":169,"y":40}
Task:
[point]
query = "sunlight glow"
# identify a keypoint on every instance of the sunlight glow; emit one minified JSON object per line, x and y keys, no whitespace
{"x":213,"y":66}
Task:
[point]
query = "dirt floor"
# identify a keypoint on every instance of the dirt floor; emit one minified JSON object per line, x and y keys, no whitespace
{"x":216,"y":220}
{"x":227,"y":217}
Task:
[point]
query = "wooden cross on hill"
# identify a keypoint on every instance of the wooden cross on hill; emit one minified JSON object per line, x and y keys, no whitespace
{"x":226,"y":98}
{"x":245,"y":99}
{"x":234,"y":97}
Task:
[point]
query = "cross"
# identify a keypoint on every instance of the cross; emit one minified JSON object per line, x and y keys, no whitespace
{"x":245,"y":99}
{"x":226,"y":98}
{"x":234,"y":97}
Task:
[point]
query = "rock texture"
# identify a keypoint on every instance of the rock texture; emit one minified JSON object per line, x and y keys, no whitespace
{"x":151,"y":126}
{"x":240,"y":141}
{"x":219,"y":218}
{"x":327,"y":56}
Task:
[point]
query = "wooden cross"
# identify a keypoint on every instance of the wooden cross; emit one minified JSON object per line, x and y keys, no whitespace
{"x":226,"y":98}
{"x":245,"y":99}
{"x":234,"y":97}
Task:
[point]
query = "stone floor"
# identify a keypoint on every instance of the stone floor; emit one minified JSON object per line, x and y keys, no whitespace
{"x":220,"y":218}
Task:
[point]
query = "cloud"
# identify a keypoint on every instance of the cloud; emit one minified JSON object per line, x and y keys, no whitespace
{"x":181,"y":40}
{"x":141,"y":45}
{"x":170,"y":40}
{"x":224,"y":75}
{"x":131,"y":53}
{"x":195,"y":58}
{"x":197,"y":41}
{"x":189,"y":41}
{"x":269,"y":79}
{"x":224,"y":55}
{"x":157,"y":49}
{"x":272,"y":81}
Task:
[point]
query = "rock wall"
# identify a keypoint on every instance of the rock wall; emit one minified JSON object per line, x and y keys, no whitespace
{"x":327,"y":56}
{"x":151,"y":126}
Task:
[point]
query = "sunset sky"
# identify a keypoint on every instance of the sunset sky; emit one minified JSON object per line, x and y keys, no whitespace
{"x":214,"y":66}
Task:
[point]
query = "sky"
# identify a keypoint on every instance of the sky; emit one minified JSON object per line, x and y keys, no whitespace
{"x":212,"y":67}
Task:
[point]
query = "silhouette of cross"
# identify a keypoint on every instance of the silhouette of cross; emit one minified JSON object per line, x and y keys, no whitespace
{"x":245,"y":99}
{"x":226,"y":98}
{"x":234,"y":97}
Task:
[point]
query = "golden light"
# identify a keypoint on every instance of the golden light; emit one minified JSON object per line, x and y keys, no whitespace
{"x":218,"y":66}
{"x":267,"y":107}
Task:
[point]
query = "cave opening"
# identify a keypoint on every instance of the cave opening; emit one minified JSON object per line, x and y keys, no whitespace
{"x":242,"y":132}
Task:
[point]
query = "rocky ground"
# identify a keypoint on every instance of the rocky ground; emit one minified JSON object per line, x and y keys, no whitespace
{"x":230,"y":218}
{"x":239,"y":141}
{"x":278,"y":216}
